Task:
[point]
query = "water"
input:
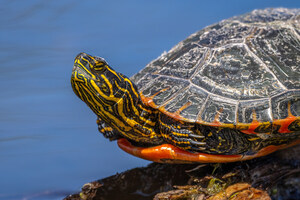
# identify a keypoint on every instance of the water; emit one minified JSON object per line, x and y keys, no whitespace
{"x":49,"y":143}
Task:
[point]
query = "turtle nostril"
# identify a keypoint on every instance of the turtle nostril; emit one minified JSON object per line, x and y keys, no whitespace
{"x":80,"y":55}
{"x":77,"y":57}
{"x":74,"y":68}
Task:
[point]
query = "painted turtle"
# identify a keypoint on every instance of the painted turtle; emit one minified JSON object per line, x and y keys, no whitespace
{"x":227,"y":93}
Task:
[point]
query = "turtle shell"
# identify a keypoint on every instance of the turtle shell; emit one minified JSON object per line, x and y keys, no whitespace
{"x":242,"y":73}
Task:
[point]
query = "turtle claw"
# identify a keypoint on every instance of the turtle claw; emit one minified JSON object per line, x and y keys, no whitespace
{"x":182,"y":136}
{"x":107,"y":131}
{"x":197,"y":143}
{"x":196,"y":136}
{"x":196,"y":149}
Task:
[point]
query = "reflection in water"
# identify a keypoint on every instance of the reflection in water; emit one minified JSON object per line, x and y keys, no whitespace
{"x":49,"y":139}
{"x":16,"y":138}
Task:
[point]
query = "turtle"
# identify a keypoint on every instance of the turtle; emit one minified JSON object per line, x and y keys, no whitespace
{"x":229,"y":92}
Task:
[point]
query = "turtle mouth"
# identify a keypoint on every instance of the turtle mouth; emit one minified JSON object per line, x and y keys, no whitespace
{"x":80,"y":72}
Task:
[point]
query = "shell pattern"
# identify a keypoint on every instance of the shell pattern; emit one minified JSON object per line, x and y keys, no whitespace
{"x":243,"y":70}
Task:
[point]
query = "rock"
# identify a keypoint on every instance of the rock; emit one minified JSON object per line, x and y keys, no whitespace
{"x":241,"y":191}
{"x":276,"y":176}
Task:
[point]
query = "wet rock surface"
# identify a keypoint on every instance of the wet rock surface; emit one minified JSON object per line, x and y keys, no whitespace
{"x":276,"y":176}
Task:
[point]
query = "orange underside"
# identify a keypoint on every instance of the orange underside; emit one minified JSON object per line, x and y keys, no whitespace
{"x":167,"y":153}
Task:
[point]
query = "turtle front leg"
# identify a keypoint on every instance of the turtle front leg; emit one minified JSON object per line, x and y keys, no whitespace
{"x":107,"y":130}
{"x":182,"y":135}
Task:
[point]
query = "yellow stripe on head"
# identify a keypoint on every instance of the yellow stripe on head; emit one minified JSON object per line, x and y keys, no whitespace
{"x":113,"y":98}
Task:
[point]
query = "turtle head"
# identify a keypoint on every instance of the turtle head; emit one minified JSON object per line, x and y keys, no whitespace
{"x":114,"y":99}
{"x":100,"y":87}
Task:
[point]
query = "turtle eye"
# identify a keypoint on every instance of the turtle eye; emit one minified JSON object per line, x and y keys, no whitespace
{"x":100,"y":67}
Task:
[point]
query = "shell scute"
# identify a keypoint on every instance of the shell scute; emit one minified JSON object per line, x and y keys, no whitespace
{"x":146,"y":79}
{"x":286,"y":105}
{"x":182,"y":63}
{"x":259,"y":110}
{"x":163,"y":88}
{"x":218,"y":110}
{"x":278,"y":47}
{"x":195,"y":96}
{"x":224,"y":33}
{"x":233,"y":72}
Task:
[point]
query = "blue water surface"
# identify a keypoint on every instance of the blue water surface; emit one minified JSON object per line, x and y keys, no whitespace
{"x":49,"y":142}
